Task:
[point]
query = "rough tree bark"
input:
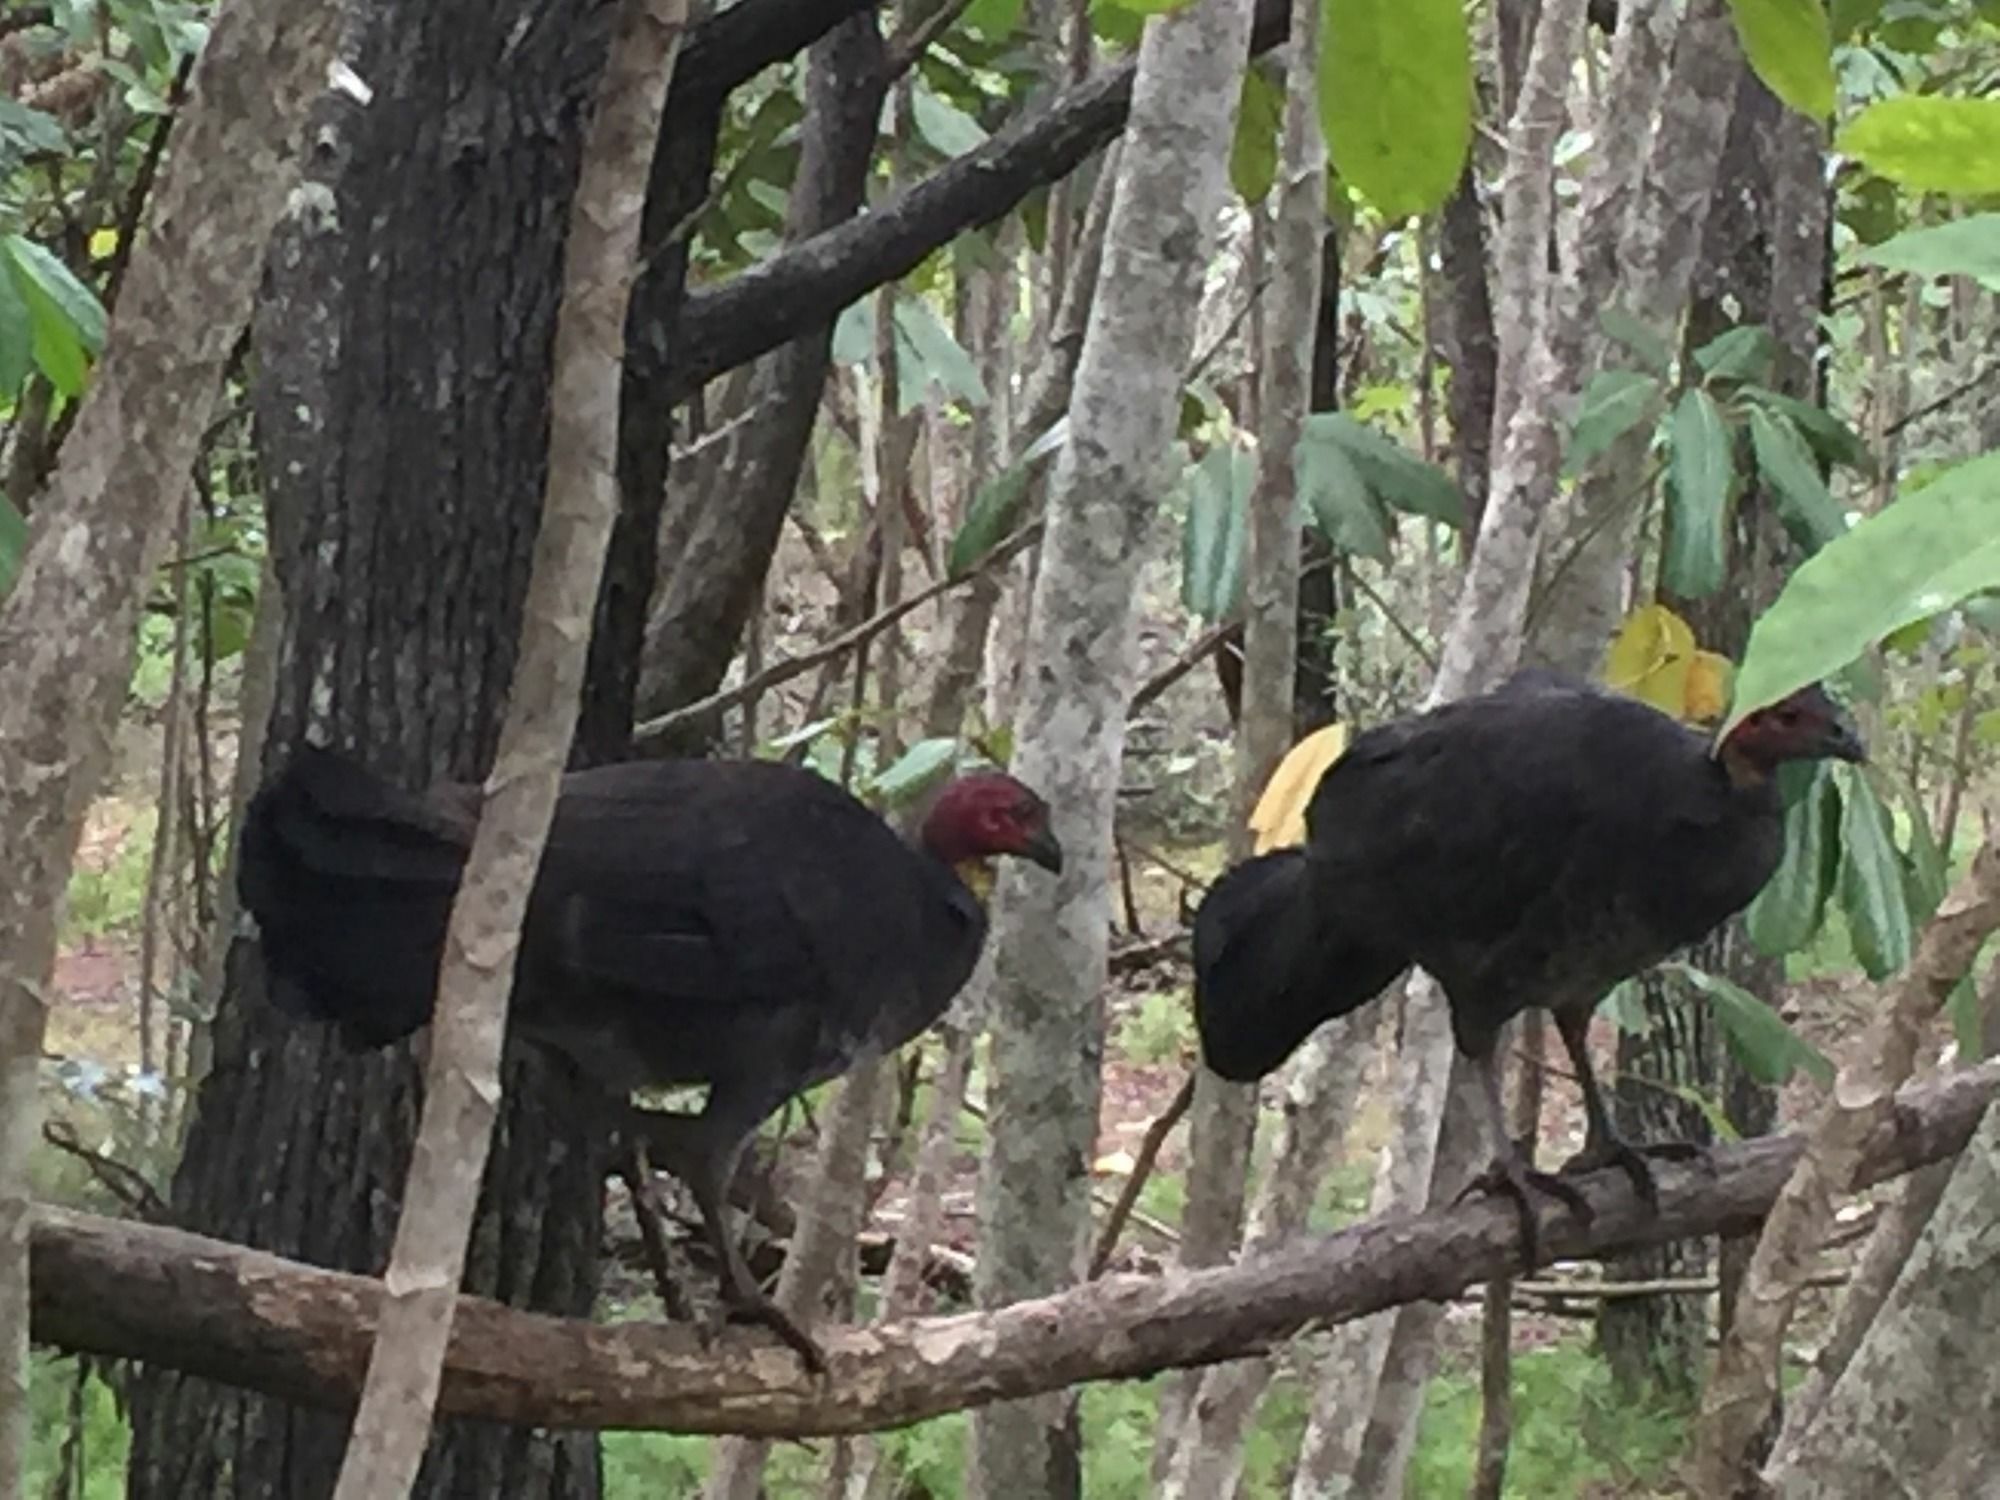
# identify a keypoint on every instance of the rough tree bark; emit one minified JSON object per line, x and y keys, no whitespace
{"x":1737,"y":1403}
{"x":1052,"y":936}
{"x":482,"y":939}
{"x":67,"y":626}
{"x":1914,"y":1414}
{"x":129,"y":1290}
{"x":402,"y":397}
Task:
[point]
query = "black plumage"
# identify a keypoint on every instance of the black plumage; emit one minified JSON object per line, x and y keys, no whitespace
{"x":745,"y":925}
{"x":1531,"y":846}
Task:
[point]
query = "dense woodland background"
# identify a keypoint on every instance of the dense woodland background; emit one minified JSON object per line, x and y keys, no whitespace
{"x":959,"y":423}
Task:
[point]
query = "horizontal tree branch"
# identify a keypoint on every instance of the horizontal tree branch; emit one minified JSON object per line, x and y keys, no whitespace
{"x":798,"y":289}
{"x":109,"y":1287}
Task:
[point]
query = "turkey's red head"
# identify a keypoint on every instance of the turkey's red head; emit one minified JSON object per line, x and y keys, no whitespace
{"x":1806,"y":726}
{"x":990,"y":813}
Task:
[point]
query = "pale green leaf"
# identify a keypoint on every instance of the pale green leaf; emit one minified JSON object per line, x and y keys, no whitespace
{"x":1790,"y":46}
{"x":1756,"y":1033}
{"x":1395,"y":99}
{"x":913,"y":770}
{"x":1218,"y":521}
{"x":1964,"y":247}
{"x":1929,"y":144}
{"x":1916,"y":558}
{"x":1613,"y":404}
{"x":1253,"y":151}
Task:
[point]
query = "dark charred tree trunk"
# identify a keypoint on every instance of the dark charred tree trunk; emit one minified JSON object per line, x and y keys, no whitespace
{"x":1751,"y":263}
{"x":401,"y":401}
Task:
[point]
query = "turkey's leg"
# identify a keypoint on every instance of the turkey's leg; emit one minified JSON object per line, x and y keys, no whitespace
{"x":1603,"y":1146}
{"x":702,"y":1150}
{"x":1513,"y":1171}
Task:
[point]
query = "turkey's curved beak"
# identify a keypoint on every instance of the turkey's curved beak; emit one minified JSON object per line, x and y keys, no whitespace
{"x":1044,"y":851}
{"x":1842,"y":741}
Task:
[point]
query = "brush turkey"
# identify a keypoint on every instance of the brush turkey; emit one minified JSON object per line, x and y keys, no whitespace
{"x":745,"y":925}
{"x":1531,"y":846}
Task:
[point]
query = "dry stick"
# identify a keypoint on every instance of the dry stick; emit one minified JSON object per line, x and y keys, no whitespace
{"x":182,"y":1301}
{"x":1741,"y":1391}
{"x":462,"y":1079}
{"x":1135,"y":1181}
{"x":819,"y":656}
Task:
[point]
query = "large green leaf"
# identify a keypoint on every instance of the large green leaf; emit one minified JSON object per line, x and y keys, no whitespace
{"x":1964,"y":247}
{"x":1701,"y":468}
{"x":995,"y":511}
{"x":1914,"y":559}
{"x":1613,"y":404}
{"x":1395,"y":99}
{"x":1786,"y":913}
{"x":1253,"y":151}
{"x":65,"y":317}
{"x":1786,"y":464}
{"x":1395,"y":476}
{"x":1336,"y":496}
{"x":13,"y":542}
{"x":1744,"y":353}
{"x":1829,"y":438}
{"x":1217,"y":525}
{"x":1871,"y":880}
{"x":1789,"y":46}
{"x":1929,"y":144}
{"x":928,"y":353}
{"x":1769,"y":1049}
{"x":945,"y":128}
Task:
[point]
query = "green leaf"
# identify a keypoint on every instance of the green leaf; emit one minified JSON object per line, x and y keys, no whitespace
{"x":1701,"y":467}
{"x":1831,"y":439}
{"x":1253,"y":150}
{"x":930,"y":354}
{"x":1926,"y":872}
{"x":1786,"y":465}
{"x":1769,"y":1049}
{"x":34,"y":265}
{"x":1964,"y":247}
{"x":1786,"y":914}
{"x":1871,"y":880}
{"x":1641,"y":340}
{"x":1218,"y":522}
{"x":1913,"y":559}
{"x":1850,"y":16}
{"x":1743,"y":353}
{"x":945,"y":128}
{"x":1789,"y":45}
{"x":1613,"y":404}
{"x":27,"y":132}
{"x":1393,"y":474}
{"x":915,"y":769}
{"x":1929,"y":144}
{"x":854,"y":333}
{"x":17,"y":338}
{"x":1625,"y":1008}
{"x":1335,"y":495}
{"x":1395,"y":99}
{"x":13,"y":542}
{"x":995,"y":511}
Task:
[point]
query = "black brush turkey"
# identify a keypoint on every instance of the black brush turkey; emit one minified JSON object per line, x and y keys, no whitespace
{"x":745,"y":925}
{"x":1531,"y":846}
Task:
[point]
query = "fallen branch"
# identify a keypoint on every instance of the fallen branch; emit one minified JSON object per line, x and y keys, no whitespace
{"x":103,"y":1286}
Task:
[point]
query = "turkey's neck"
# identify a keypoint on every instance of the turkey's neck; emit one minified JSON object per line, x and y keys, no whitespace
{"x":977,"y":877}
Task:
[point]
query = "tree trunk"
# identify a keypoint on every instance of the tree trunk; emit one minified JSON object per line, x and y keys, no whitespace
{"x":1052,"y":936}
{"x":68,"y":624}
{"x":401,"y":410}
{"x":1914,"y":1413}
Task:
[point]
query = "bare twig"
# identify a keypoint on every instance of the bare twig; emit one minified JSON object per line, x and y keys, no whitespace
{"x":123,"y":1181}
{"x":1135,"y":1181}
{"x":797,"y":666}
